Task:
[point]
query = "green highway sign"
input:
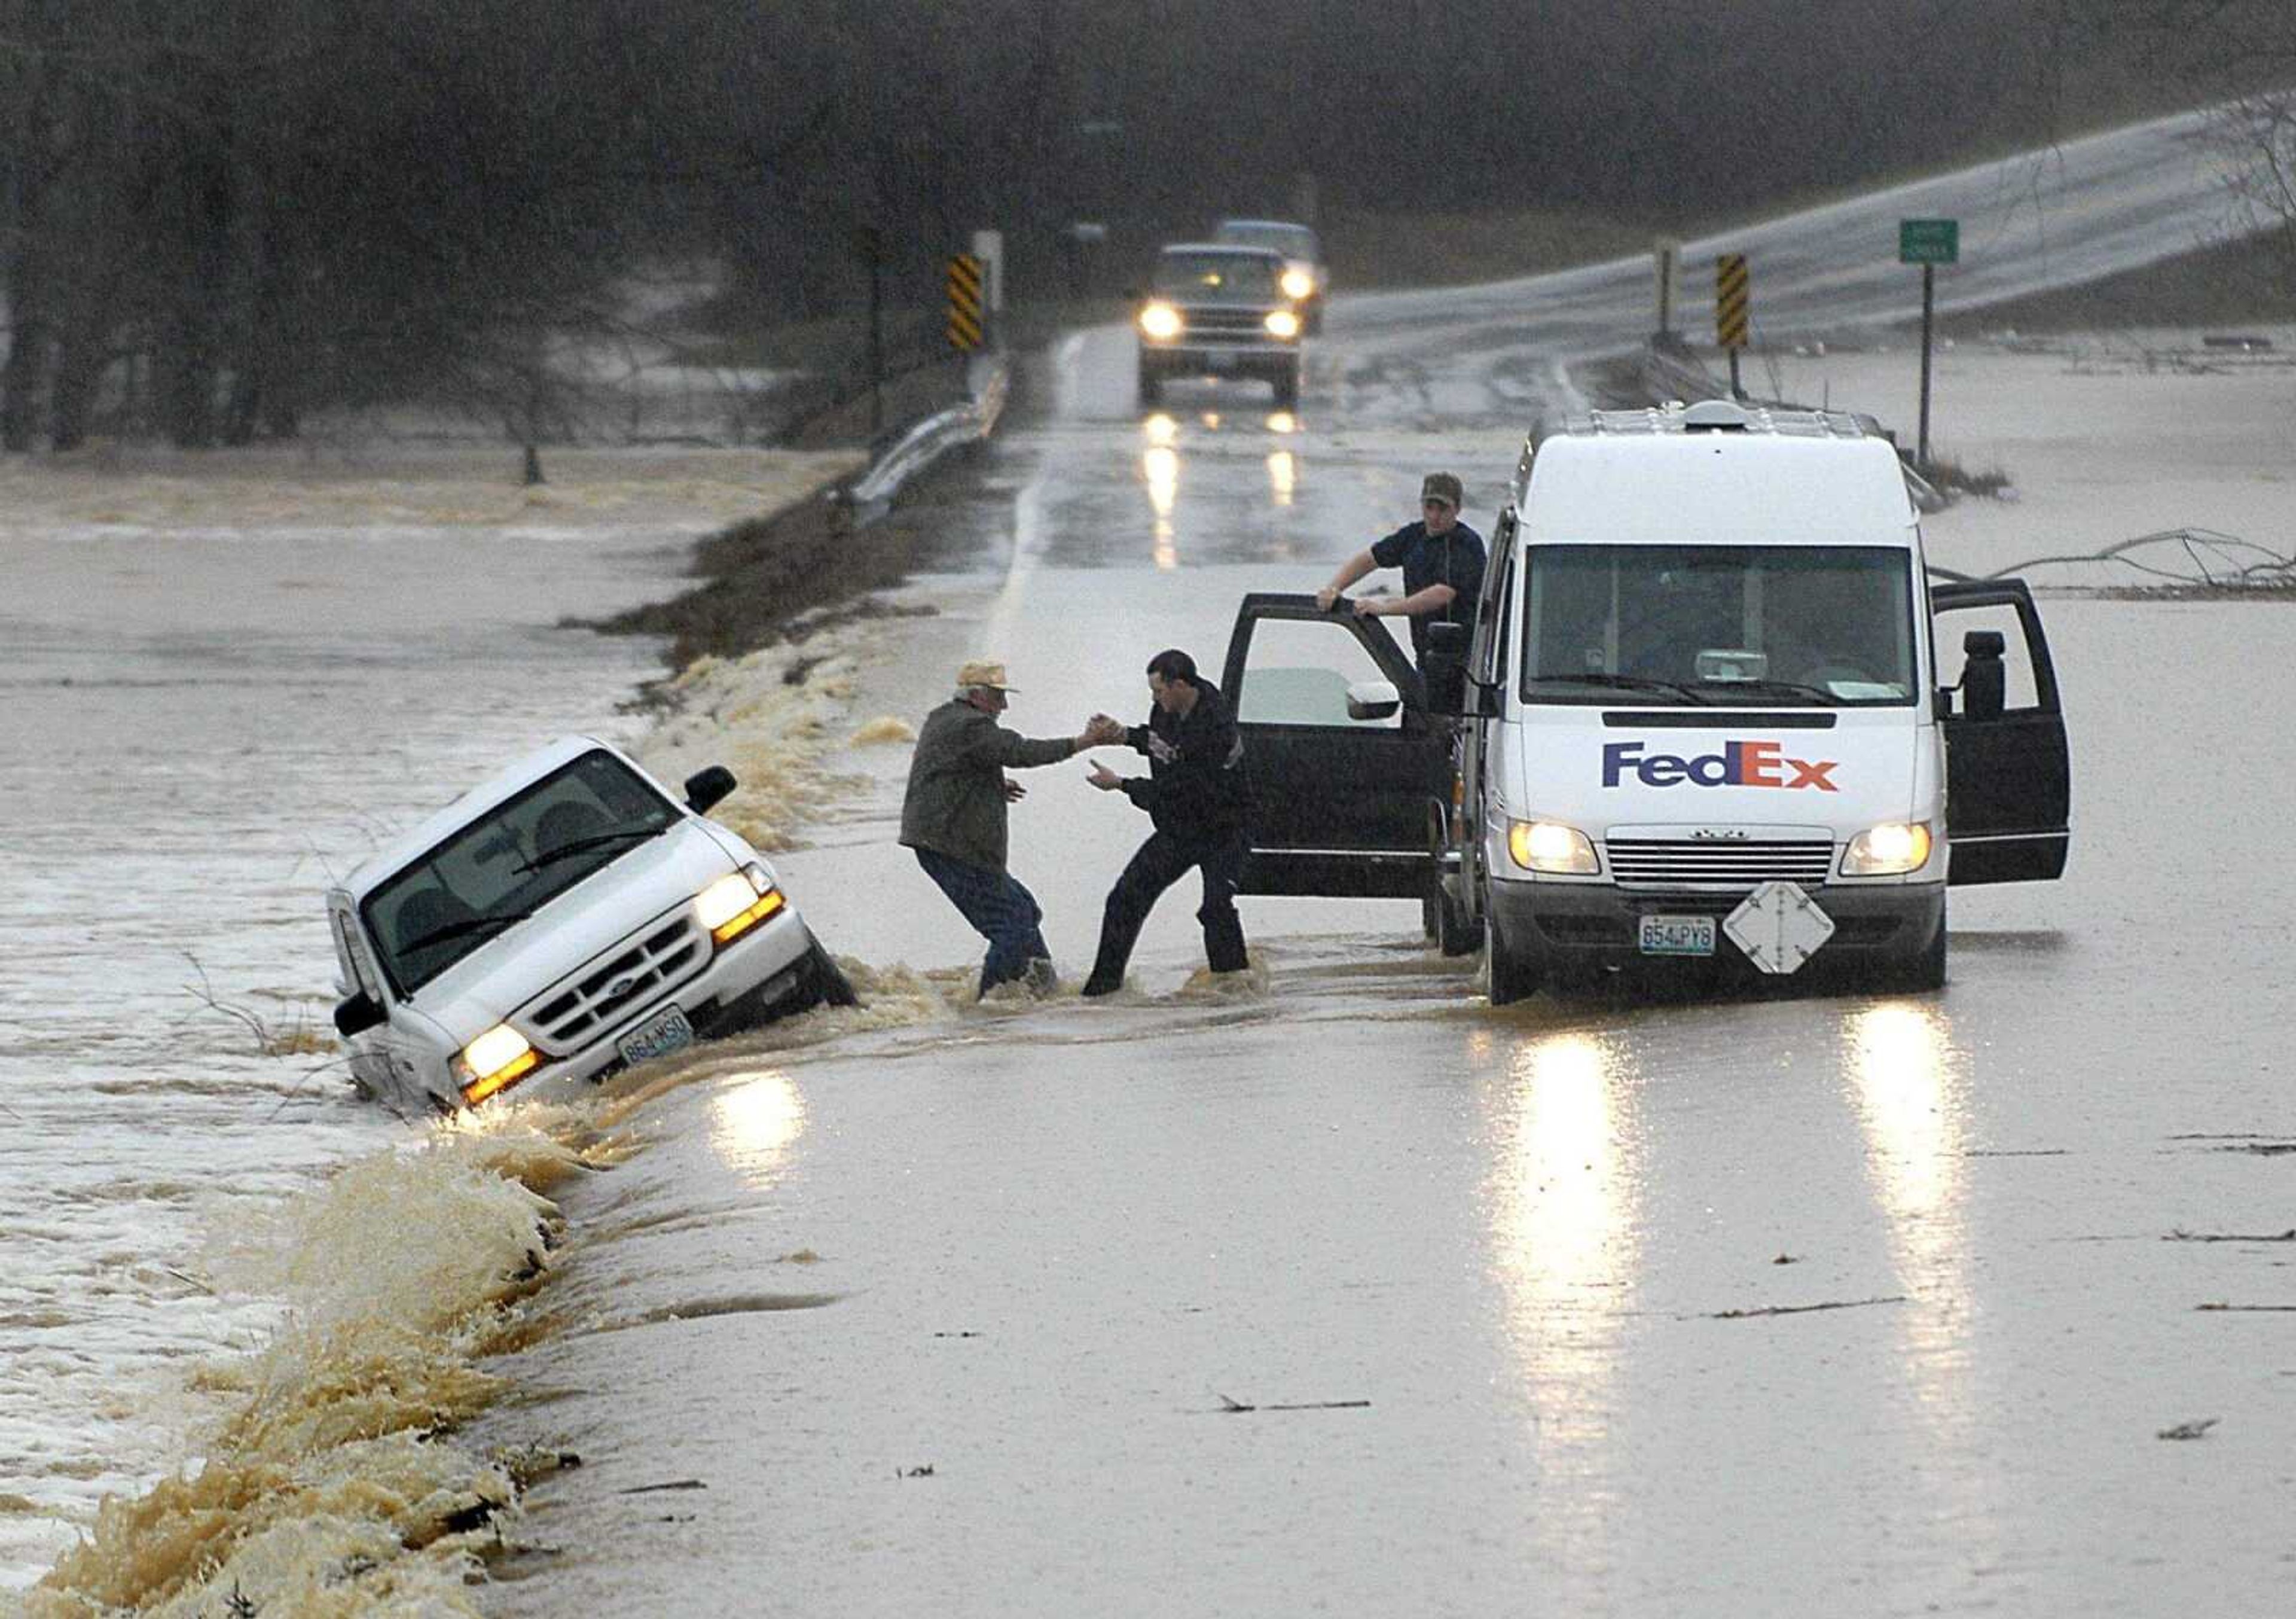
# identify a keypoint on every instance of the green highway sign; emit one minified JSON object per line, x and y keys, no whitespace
{"x":1929,"y":241}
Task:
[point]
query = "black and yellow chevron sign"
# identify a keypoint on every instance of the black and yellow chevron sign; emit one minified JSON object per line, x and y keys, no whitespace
{"x":1734,"y":298}
{"x":963,"y":302}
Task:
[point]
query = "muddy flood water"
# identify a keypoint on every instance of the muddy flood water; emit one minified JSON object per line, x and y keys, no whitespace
{"x":210,"y":707}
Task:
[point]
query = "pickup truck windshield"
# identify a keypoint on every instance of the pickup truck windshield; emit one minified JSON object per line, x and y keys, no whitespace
{"x":1216,"y":278}
{"x":1720,"y":626}
{"x":508,"y":864}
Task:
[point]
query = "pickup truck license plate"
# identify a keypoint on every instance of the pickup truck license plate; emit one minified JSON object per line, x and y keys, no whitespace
{"x":1678,"y":935}
{"x":667,"y":1031}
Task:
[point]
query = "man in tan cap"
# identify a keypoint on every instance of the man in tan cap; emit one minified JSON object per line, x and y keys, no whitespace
{"x":954,"y":817}
{"x":1442,"y":564}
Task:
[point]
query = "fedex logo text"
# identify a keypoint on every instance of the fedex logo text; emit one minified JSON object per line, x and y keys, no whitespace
{"x":1739,"y":764}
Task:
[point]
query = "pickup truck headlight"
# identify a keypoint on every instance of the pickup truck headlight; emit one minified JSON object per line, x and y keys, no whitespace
{"x":737,"y":902}
{"x":496,"y":1061}
{"x":1298,"y":283}
{"x":1891,"y":850}
{"x":1283,"y":323}
{"x":1550,"y":846}
{"x":1161,"y":321}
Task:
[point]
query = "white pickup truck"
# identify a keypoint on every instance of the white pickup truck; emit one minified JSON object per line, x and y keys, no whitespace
{"x":564,"y":920}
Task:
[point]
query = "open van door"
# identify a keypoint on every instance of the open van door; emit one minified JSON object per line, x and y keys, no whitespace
{"x":2008,"y":769}
{"x":1340,"y":755}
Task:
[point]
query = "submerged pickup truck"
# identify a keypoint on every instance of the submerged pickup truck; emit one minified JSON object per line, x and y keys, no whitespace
{"x":1704,"y":718}
{"x":561,"y":921}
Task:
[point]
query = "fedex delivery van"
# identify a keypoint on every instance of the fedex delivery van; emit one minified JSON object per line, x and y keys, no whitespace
{"x":1715,"y":710}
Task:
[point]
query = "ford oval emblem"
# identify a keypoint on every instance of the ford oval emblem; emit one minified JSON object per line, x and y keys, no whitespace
{"x":621,"y":987}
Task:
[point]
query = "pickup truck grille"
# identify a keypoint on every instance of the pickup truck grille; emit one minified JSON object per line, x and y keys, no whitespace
{"x":623,"y":979}
{"x":1666,"y":862}
{"x":1224,"y":326}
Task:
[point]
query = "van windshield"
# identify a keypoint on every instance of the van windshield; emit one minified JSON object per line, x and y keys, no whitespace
{"x":509,"y":863}
{"x":1723,"y":626}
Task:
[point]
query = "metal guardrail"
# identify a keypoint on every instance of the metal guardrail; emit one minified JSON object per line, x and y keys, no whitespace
{"x":870,"y":493}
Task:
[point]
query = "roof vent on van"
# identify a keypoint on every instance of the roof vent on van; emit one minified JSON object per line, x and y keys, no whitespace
{"x":1717,"y":416}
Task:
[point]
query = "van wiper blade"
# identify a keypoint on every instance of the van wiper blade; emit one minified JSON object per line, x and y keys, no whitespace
{"x":1796,"y":687}
{"x":1632,"y":683}
{"x":468,"y":924}
{"x":549,"y":857}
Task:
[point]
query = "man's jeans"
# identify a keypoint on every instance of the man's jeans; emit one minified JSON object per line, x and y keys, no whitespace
{"x":1000,"y":909}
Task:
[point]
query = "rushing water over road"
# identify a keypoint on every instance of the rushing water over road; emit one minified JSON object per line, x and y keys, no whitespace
{"x":199,"y":726}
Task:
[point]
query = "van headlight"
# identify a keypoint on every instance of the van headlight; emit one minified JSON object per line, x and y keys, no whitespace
{"x":1891,"y":850}
{"x":1550,"y":846}
{"x":1298,"y":283}
{"x":496,"y":1061}
{"x":1161,"y":321}
{"x":1283,"y":323}
{"x":737,"y":902}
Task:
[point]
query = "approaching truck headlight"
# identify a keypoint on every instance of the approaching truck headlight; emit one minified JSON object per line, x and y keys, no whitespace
{"x":1282,"y":322}
{"x":737,"y":902}
{"x":1550,"y":846}
{"x":1297,"y":284}
{"x":1161,"y":321}
{"x":496,"y":1060}
{"x":1891,"y":850}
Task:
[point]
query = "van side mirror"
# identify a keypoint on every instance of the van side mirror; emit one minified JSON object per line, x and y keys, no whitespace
{"x":1984,"y":677}
{"x":1373,"y":700}
{"x":357,"y":1014}
{"x":705,"y":788}
{"x":1444,"y":668}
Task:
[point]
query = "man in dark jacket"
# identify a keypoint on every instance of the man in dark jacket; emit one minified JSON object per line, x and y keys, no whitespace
{"x":954,"y":817}
{"x":1442,"y":562}
{"x":1194,"y":792}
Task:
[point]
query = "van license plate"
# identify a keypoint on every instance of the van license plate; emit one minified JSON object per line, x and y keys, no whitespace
{"x":667,"y":1031}
{"x":1678,"y":935}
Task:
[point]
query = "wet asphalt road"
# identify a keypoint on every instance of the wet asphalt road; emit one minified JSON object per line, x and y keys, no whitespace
{"x":1792,"y":1304}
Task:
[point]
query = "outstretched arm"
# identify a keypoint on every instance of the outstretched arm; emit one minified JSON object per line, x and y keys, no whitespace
{"x":1350,"y":571}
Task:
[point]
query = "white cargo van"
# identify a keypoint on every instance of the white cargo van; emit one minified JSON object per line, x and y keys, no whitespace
{"x":565,"y":919}
{"x":1706,"y":719}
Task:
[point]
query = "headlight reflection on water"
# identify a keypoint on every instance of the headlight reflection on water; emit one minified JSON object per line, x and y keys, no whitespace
{"x":753,"y":1120}
{"x":1160,"y":468}
{"x":1910,"y":1106}
{"x":1564,"y":1223}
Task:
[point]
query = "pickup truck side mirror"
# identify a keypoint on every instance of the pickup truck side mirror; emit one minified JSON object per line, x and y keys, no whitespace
{"x":357,"y":1014}
{"x":1984,"y":677}
{"x":705,"y":788}
{"x":1373,"y":700}
{"x":1444,"y":668}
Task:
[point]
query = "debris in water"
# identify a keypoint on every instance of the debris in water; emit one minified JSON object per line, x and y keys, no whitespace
{"x":884,"y":728}
{"x":2254,"y":1309}
{"x":674,"y":1483}
{"x":2288,"y":1236}
{"x":1232,"y":1407}
{"x":2188,"y":1430}
{"x":924,"y":1472}
{"x":1787,"y":1259}
{"x":1795,"y":1310}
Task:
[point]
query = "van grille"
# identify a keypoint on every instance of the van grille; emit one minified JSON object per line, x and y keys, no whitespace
{"x":1664,"y":862}
{"x":623,"y":979}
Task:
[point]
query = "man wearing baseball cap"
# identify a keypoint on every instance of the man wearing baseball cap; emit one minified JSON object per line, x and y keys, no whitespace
{"x":953,"y":815}
{"x":1442,"y":564}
